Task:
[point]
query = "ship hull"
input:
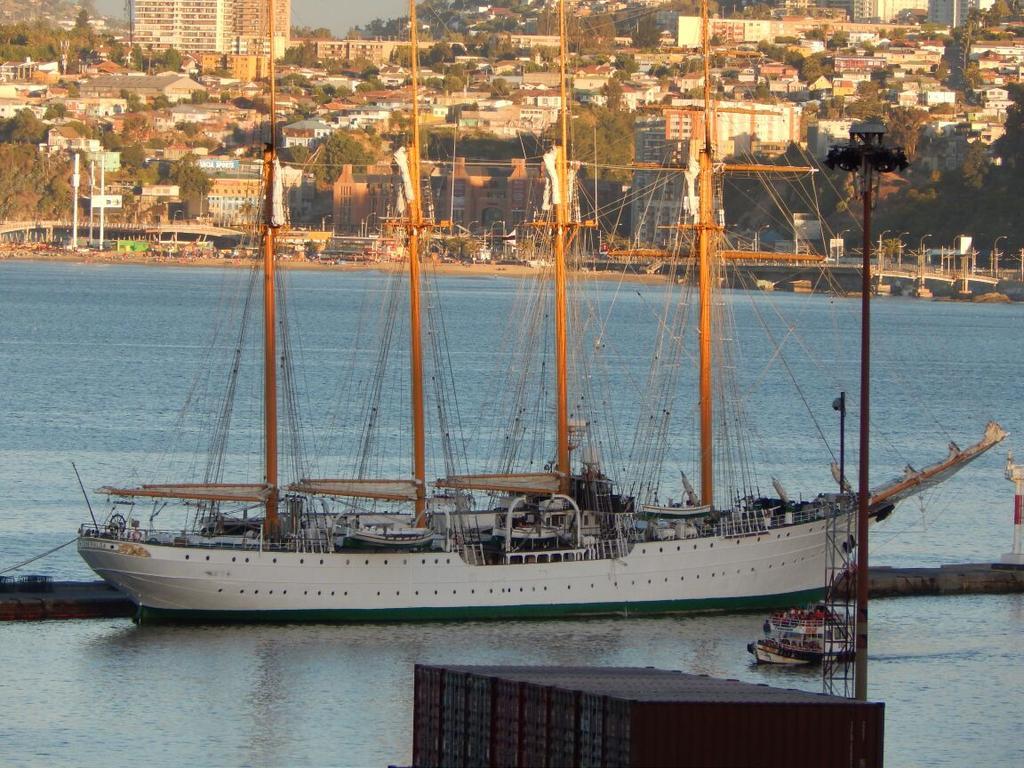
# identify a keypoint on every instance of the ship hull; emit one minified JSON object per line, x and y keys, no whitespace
{"x":776,"y":568}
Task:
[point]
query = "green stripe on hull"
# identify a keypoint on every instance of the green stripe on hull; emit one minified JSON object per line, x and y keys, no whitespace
{"x":474,"y":613}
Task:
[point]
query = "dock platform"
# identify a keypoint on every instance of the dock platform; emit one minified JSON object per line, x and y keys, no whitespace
{"x":64,"y":600}
{"x":954,"y":579}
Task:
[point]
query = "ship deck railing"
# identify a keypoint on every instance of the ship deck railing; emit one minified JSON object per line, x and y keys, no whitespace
{"x":178,"y":538}
{"x":756,"y":522}
{"x":604,"y":549}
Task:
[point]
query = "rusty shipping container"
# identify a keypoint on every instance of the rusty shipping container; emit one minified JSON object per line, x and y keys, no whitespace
{"x":529,"y":717}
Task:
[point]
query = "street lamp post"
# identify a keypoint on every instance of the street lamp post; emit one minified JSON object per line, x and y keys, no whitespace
{"x":174,"y":218}
{"x":841,"y":251}
{"x":757,"y":236}
{"x":881,"y":249}
{"x":995,"y":256}
{"x":866,"y":156}
{"x":899,"y":250}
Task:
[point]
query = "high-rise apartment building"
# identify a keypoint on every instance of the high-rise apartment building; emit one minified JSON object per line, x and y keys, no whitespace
{"x":953,"y":13}
{"x":252,"y":28}
{"x":185,"y":25}
{"x":660,"y":194}
{"x":882,"y":10}
{"x":211,"y":26}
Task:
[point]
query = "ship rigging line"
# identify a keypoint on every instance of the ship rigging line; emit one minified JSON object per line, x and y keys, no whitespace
{"x":792,"y":376}
{"x":23,"y":563}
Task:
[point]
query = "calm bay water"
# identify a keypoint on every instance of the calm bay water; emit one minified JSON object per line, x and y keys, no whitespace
{"x":95,"y":362}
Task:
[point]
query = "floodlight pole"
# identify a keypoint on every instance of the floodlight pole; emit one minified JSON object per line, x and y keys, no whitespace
{"x":865,"y":155}
{"x":860,"y":676}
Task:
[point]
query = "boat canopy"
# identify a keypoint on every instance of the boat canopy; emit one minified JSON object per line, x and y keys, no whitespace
{"x":251,"y":492}
{"x":914,"y":481}
{"x":387,"y":490}
{"x":526,"y":482}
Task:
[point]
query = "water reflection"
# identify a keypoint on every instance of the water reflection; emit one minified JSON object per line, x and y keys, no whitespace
{"x":109,"y":692}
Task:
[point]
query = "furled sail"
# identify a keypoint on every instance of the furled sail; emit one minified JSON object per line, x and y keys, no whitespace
{"x":246,"y":492}
{"x":277,"y":217}
{"x":406,"y":191}
{"x":552,"y":189}
{"x":526,"y":482}
{"x":387,"y":490}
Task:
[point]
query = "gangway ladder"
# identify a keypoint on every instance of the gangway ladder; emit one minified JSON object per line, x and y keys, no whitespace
{"x":837,"y":667}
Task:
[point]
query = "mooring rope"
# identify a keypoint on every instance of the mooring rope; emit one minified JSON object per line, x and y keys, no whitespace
{"x":38,"y":557}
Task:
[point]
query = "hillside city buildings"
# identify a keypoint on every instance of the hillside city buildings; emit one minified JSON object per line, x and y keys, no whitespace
{"x":789,"y":80}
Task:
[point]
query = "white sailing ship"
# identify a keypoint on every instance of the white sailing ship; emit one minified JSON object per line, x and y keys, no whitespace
{"x":553,"y":543}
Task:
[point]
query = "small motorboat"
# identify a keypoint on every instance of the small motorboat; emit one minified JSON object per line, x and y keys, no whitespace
{"x":798,"y":636}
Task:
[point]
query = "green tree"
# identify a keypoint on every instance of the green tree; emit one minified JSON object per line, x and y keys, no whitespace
{"x":135,"y":127}
{"x":171,"y":60}
{"x":647,"y":35}
{"x":905,"y":125}
{"x":112,"y":141}
{"x":23,"y":128}
{"x":500,"y":88}
{"x":454,"y":83}
{"x":310,"y":33}
{"x":297,"y":154}
{"x":838,"y":41}
{"x":301,"y":56}
{"x":972,"y":75}
{"x":189,"y":177}
{"x":869,"y":101}
{"x":975,"y":166}
{"x":1010,"y":148}
{"x":613,"y":95}
{"x":33,"y":185}
{"x":55,"y":111}
{"x":439,"y":53}
{"x":998,"y":13}
{"x":812,"y":67}
{"x":133,"y":157}
{"x":132,"y":100}
{"x":340,"y":148}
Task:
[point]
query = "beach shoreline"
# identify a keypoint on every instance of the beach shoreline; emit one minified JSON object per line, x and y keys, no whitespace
{"x":452,"y":269}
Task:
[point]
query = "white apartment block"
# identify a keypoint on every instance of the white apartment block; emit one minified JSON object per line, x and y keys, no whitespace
{"x":883,"y":11}
{"x":953,"y":13}
{"x":739,"y":127}
{"x":185,"y":25}
{"x":726,"y":30}
{"x":211,"y":26}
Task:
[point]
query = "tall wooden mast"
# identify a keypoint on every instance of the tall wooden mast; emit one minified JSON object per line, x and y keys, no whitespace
{"x":561,"y":235}
{"x":705,"y":229}
{"x":414,"y":226}
{"x":270,"y":523}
